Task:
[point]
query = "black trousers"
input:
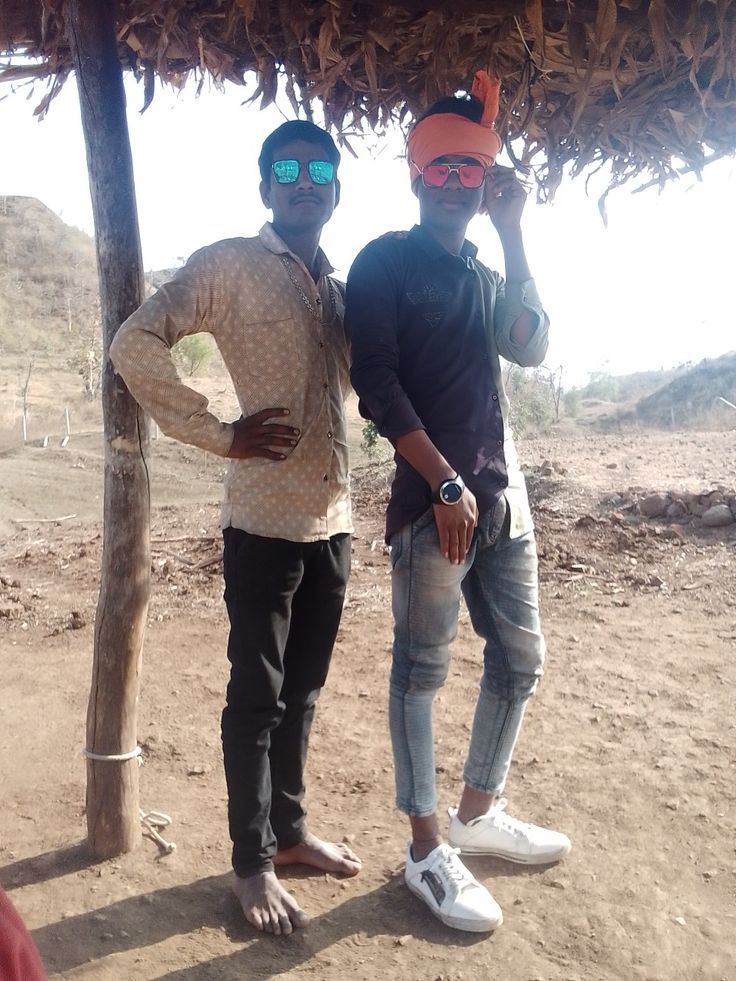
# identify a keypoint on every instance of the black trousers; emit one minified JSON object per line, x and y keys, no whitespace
{"x":284,"y":600}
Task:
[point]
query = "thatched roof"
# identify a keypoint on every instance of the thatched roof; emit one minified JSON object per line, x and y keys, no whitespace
{"x":647,"y":85}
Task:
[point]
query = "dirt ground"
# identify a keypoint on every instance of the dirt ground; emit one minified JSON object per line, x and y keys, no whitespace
{"x":629,"y":745}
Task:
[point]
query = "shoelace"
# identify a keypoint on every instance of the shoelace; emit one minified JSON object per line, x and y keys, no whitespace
{"x":455,"y":871}
{"x":507,"y":823}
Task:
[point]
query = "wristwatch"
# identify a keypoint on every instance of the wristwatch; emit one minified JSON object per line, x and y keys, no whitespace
{"x":450,"y":491}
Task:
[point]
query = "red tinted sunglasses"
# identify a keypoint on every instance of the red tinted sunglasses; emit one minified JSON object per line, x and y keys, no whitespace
{"x":469,"y":175}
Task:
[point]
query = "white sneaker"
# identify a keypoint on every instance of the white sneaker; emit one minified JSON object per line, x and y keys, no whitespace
{"x":497,"y":833}
{"x":451,"y":892}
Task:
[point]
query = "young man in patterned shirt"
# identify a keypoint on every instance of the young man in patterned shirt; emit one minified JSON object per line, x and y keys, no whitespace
{"x":277,"y":318}
{"x":428,"y":323}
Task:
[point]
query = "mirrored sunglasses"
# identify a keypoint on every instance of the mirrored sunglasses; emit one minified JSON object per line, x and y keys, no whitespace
{"x":469,"y":175}
{"x":287,"y":171}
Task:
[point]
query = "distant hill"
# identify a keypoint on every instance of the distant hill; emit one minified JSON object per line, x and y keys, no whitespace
{"x":48,"y":279}
{"x":606,"y":387}
{"x":681,"y":397}
{"x":48,"y":282}
{"x":691,"y":398}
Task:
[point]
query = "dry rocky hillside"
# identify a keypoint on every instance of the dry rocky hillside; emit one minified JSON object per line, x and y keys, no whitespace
{"x":48,"y":280}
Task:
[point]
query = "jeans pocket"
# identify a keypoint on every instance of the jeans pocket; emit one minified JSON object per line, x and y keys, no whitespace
{"x":396,"y":547}
{"x":493,"y":524}
{"x":425,"y":519}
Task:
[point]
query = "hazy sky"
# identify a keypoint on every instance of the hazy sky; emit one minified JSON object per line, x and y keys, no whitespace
{"x":647,"y":292}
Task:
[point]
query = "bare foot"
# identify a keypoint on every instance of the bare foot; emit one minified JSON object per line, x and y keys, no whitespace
{"x":323,"y":855}
{"x":267,"y":905}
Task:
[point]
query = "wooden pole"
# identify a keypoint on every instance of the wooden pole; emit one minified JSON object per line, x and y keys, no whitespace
{"x":113,"y":822}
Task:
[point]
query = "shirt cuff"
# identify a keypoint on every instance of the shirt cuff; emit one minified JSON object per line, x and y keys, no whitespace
{"x":227,"y":434}
{"x":518,"y":298}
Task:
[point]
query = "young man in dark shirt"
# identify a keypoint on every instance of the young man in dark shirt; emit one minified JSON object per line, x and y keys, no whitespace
{"x":428,"y":324}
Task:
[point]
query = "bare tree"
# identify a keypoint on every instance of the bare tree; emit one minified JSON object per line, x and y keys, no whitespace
{"x":25,"y":400}
{"x":553,"y":377}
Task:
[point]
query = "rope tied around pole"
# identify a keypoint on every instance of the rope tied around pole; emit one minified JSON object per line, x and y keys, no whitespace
{"x":151,"y":821}
{"x":113,"y":757}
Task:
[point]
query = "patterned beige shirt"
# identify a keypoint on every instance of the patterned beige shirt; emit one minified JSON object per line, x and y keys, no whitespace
{"x":278,"y":353}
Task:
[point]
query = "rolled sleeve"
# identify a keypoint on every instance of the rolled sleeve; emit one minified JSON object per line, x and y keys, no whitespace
{"x":513,"y":299}
{"x":372,"y":322}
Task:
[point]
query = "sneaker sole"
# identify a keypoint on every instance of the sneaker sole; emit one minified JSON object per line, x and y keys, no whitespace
{"x":469,"y":926}
{"x":509,"y":857}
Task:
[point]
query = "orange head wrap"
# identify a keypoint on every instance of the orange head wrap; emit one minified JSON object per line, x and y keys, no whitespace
{"x":446,"y":133}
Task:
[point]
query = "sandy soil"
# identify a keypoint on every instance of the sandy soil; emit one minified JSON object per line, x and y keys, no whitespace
{"x":629,"y":746}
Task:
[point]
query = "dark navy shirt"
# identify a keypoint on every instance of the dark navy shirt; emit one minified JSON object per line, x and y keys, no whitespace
{"x":414,"y":313}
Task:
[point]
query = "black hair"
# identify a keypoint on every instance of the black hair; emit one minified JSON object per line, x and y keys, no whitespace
{"x":295,"y":129}
{"x":467,"y":106}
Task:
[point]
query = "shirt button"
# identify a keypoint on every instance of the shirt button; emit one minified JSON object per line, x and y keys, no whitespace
{"x":495,"y":398}
{"x":319,"y":299}
{"x":321,"y":344}
{"x":325,"y":386}
{"x":325,"y":477}
{"x":499,"y":442}
{"x":329,"y":435}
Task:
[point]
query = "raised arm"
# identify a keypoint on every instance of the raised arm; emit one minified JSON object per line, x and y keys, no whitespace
{"x":521,"y":323}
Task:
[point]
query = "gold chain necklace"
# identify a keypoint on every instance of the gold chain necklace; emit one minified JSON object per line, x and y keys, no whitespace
{"x":303,"y":296}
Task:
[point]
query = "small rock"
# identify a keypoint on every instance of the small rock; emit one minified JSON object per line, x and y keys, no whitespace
{"x":679,"y":920}
{"x":76,"y":621}
{"x":673,"y":805}
{"x":611,"y":466}
{"x":654,"y":506}
{"x":715,"y":497}
{"x":586,"y":521}
{"x":717,"y":516}
{"x":676,"y":510}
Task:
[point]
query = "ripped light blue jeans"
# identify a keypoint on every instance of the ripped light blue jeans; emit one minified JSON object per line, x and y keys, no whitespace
{"x":500,"y":585}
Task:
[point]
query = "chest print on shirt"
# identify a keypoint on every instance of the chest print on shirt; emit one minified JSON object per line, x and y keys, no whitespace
{"x":430,"y":296}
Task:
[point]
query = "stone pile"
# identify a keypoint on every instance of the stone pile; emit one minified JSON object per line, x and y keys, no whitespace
{"x":713,"y":509}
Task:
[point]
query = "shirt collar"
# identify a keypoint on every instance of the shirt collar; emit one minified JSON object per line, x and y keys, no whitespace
{"x":434,"y":250}
{"x":271,"y":241}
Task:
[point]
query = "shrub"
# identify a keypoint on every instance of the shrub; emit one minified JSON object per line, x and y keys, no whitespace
{"x":192,"y":354}
{"x":532,"y":399}
{"x":370,"y":439}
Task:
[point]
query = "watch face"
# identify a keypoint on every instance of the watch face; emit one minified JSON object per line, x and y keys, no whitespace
{"x":451,"y":492}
